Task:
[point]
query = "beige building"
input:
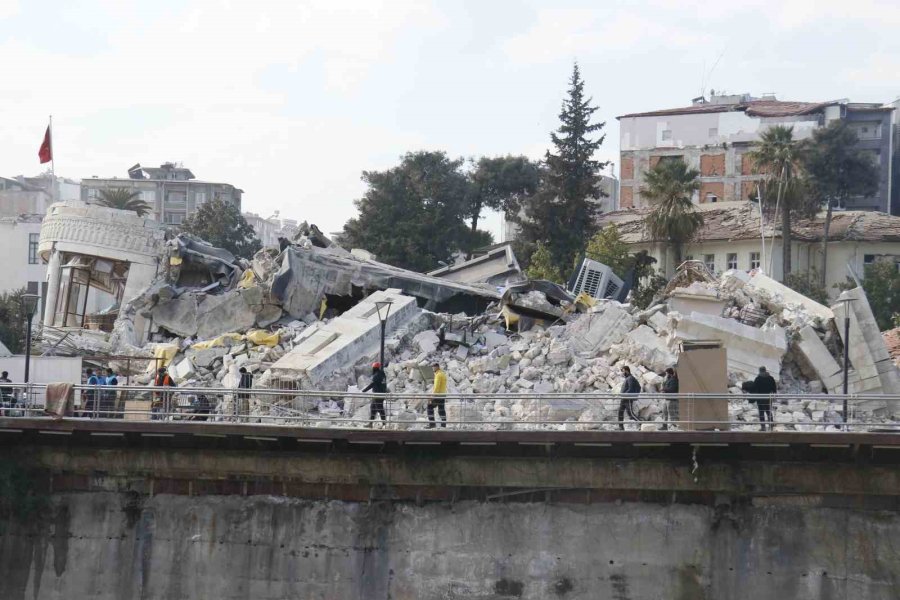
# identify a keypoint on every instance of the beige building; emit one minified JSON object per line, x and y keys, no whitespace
{"x":731,"y":238}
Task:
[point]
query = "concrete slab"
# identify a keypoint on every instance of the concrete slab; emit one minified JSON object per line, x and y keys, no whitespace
{"x":341,"y":342}
{"x":748,"y":348}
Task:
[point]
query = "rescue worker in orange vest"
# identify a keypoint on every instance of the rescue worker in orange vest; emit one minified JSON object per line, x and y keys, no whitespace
{"x":162,"y":402}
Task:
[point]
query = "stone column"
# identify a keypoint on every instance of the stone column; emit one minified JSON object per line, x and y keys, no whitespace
{"x":53,"y":278}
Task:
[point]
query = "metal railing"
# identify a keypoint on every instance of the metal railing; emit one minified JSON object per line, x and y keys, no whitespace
{"x":503,"y":411}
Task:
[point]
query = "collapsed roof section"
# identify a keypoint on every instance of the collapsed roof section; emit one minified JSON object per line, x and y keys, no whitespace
{"x":309,"y":273}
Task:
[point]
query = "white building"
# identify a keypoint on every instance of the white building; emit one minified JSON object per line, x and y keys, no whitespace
{"x":23,"y":203}
{"x":269,"y":230}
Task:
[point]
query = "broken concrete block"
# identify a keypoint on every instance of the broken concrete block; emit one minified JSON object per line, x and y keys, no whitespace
{"x":658,"y":322}
{"x":183,"y":370}
{"x":776,"y":297}
{"x":204,"y":359}
{"x":543,"y":387}
{"x":596,"y":332}
{"x":178,"y":315}
{"x":230,"y":312}
{"x":427,"y":341}
{"x":748,"y":348}
{"x":697,"y":297}
{"x":819,"y":359}
{"x":268,"y":314}
{"x":492,"y":339}
{"x":561,"y":356}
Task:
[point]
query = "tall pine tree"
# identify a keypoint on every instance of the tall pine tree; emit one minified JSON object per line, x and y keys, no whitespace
{"x":562,"y":215}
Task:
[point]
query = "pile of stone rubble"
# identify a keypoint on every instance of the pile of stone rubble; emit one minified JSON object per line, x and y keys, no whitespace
{"x":307,"y":318}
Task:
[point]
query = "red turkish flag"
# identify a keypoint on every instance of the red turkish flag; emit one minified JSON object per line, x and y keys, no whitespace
{"x":46,"y":151}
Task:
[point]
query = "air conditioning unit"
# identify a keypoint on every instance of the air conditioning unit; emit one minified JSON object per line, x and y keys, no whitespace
{"x":596,"y":280}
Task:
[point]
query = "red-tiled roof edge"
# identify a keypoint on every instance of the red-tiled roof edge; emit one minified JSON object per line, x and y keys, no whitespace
{"x":753,"y":107}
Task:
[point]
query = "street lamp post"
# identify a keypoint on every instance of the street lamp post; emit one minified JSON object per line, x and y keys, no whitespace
{"x":29,"y":306}
{"x":384,"y":308}
{"x":846,"y":302}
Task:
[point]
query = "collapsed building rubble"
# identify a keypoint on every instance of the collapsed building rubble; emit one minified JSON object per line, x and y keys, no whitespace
{"x":306,"y":318}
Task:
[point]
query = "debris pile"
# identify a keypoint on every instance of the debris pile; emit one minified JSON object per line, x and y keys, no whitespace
{"x":309,"y":317}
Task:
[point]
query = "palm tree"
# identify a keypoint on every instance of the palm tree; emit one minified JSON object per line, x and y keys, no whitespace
{"x":124,"y":199}
{"x":670,"y":185}
{"x":777,"y":155}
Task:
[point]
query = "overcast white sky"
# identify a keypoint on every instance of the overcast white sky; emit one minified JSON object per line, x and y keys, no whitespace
{"x":292,"y":100}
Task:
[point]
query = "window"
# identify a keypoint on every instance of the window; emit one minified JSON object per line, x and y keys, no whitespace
{"x":754,"y":260}
{"x":92,"y":193}
{"x":174,"y":218}
{"x":713,"y":132}
{"x":200,"y":198}
{"x":731,"y":261}
{"x":868,"y":259}
{"x":149,"y":197}
{"x":710,"y":261}
{"x":710,"y":198}
{"x":689,"y":257}
{"x":33,"y":239}
{"x":666,"y":134}
{"x":176,"y":198}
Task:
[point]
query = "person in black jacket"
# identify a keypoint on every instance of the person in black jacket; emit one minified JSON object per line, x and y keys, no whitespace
{"x":630,"y":389}
{"x":764,"y":386}
{"x":379,"y":386}
{"x":670,"y":386}
{"x":245,"y":383}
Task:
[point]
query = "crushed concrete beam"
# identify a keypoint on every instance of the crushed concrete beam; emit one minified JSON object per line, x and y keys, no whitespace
{"x":329,"y":347}
{"x":818,"y":358}
{"x":867,"y":351}
{"x":308,"y":274}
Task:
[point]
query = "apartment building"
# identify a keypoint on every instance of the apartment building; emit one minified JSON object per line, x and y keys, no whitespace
{"x":171,"y":190}
{"x":714,"y":136}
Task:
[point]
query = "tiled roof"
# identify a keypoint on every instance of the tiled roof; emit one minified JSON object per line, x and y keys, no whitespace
{"x":892,"y":341}
{"x":728,"y":221}
{"x":756,"y":108}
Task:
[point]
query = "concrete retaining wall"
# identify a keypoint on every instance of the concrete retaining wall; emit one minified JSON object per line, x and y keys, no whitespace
{"x":122,"y":546}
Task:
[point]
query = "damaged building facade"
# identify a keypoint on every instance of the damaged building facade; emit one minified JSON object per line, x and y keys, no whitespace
{"x":731,"y":238}
{"x":714,"y":136}
{"x":95,"y":256}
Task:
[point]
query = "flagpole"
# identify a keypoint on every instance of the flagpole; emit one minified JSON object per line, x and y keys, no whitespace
{"x":53,"y":193}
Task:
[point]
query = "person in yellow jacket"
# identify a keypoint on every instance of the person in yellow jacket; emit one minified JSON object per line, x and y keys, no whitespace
{"x":440,"y":387}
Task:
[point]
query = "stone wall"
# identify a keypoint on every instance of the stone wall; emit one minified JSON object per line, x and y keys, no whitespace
{"x":110,"y":546}
{"x":102,"y":232}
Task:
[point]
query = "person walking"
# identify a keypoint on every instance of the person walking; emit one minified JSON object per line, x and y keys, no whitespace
{"x":764,"y":386}
{"x":92,"y":399}
{"x":379,"y":386}
{"x":6,"y":393}
{"x":630,"y":389}
{"x":670,"y":388}
{"x":245,"y":383}
{"x":437,"y":400}
{"x":162,"y":400}
{"x":108,"y":397}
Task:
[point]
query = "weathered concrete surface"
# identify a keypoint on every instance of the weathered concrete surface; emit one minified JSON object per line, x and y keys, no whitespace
{"x":112,"y":546}
{"x":748,"y":347}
